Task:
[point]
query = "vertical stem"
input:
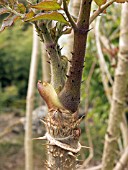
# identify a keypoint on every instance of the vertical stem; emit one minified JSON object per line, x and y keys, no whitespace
{"x":30,"y":104}
{"x":57,"y":79}
{"x":105,"y":75}
{"x":70,"y":95}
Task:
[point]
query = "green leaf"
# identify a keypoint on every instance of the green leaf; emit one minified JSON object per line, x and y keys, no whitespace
{"x":8,"y":22}
{"x":12,"y":1}
{"x":100,"y":2}
{"x":67,"y":1}
{"x":47,"y":6}
{"x":50,"y":16}
{"x":29,"y":15}
{"x":21,"y":8}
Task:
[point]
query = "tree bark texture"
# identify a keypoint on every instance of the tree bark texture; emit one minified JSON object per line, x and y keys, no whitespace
{"x":30,"y":103}
{"x":46,"y":73}
{"x":118,"y":97}
{"x":70,"y":95}
{"x":62,"y":134}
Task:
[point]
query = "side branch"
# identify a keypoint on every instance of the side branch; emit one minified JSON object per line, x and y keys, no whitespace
{"x":100,"y":10}
{"x":72,"y":22}
{"x":57,"y":80}
{"x":105,"y":75}
{"x":121,"y":164}
{"x":70,"y":95}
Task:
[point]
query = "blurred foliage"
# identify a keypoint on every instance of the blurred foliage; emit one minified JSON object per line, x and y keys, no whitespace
{"x":15,"y":53}
{"x":97,"y":115}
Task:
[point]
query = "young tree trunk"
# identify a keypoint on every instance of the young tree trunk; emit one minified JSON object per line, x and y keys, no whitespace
{"x":45,"y":65}
{"x":30,"y":103}
{"x":118,"y":97}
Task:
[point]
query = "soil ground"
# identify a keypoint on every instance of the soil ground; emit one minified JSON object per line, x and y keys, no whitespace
{"x":12,"y":147}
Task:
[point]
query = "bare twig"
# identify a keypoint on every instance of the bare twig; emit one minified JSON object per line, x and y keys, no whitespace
{"x":110,"y":49}
{"x":106,"y":77}
{"x":91,"y":153}
{"x":14,"y":11}
{"x":124,"y":130}
{"x":88,"y":86}
{"x":91,"y":150}
{"x":72,"y":22}
{"x":10,"y":127}
{"x":100,"y":10}
{"x":92,"y":168}
{"x":123,"y":161}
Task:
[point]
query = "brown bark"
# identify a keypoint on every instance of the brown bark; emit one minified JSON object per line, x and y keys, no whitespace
{"x":119,"y":91}
{"x":70,"y":95}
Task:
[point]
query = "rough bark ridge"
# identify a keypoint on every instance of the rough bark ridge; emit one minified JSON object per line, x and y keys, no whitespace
{"x":119,"y":91}
{"x":65,"y":129}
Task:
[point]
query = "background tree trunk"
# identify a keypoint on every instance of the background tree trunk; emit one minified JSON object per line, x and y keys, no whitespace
{"x":118,"y":97}
{"x":30,"y":103}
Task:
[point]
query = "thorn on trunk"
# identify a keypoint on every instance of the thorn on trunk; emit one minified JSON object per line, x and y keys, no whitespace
{"x":89,"y":30}
{"x":61,"y":48}
{"x":48,"y":62}
{"x":69,"y":61}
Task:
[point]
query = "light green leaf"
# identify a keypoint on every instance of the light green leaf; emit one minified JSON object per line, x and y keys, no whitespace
{"x":100,"y":2}
{"x":47,"y":6}
{"x":21,"y":8}
{"x":29,"y":15}
{"x":49,"y":16}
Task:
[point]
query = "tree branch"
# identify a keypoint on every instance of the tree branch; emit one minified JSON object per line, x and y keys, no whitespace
{"x":57,"y":80}
{"x":100,"y":10}
{"x":98,"y":167}
{"x":72,"y":22}
{"x":70,"y":95}
{"x":121,"y":164}
{"x":9,"y":128}
{"x":106,"y":77}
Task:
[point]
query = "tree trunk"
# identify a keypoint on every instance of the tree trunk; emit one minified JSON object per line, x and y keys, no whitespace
{"x":30,"y":104}
{"x":118,"y":97}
